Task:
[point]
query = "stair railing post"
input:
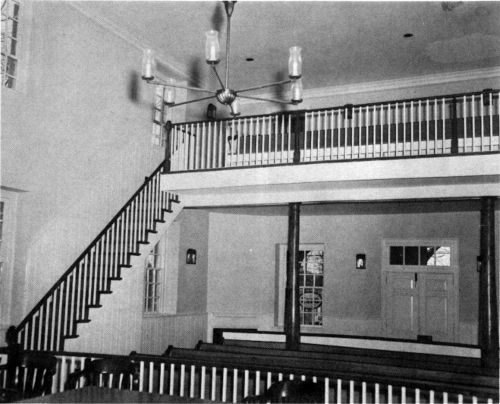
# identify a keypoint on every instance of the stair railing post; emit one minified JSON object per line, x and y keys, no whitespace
{"x":168,"y":134}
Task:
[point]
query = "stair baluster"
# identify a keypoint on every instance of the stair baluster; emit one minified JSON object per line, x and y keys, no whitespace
{"x":56,"y":316}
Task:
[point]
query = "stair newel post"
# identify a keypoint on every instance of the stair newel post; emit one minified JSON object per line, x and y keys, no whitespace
{"x":168,"y":134}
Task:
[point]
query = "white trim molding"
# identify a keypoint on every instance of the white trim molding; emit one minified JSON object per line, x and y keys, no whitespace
{"x":395,"y":84}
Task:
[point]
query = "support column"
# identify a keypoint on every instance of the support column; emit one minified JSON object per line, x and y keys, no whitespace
{"x":488,"y":310}
{"x":292,"y":304}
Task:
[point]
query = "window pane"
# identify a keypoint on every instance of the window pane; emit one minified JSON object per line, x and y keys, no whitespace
{"x":319,"y":281}
{"x":9,"y":82}
{"x":427,"y":256}
{"x":396,"y":255}
{"x":411,"y":255}
{"x":443,"y":255}
{"x":11,"y":66}
{"x":14,"y":28}
{"x":15,"y":12}
{"x":13,"y":47}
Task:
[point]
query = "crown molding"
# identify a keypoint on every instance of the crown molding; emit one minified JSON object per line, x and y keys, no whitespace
{"x":395,"y":84}
{"x":138,"y":43}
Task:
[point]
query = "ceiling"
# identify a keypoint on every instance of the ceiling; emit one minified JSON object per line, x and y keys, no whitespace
{"x":343,"y":42}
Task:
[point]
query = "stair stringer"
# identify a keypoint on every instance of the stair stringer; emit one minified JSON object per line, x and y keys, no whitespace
{"x":115,"y":327}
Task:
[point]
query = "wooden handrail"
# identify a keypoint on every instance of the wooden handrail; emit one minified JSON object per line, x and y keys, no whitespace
{"x":112,"y":246}
{"x":448,"y":98}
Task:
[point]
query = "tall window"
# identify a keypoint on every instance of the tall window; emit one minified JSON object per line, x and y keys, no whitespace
{"x":311,"y":281}
{"x":311,"y":287}
{"x":159,"y":116}
{"x":10,"y":21}
{"x":153,"y":281}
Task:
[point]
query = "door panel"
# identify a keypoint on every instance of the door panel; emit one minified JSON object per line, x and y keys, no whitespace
{"x":436,"y":306}
{"x":402,"y":305}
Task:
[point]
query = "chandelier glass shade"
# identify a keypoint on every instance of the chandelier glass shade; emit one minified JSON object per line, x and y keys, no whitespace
{"x":226,"y":95}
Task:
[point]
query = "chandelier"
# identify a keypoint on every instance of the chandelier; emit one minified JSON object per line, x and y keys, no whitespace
{"x":226,"y":95}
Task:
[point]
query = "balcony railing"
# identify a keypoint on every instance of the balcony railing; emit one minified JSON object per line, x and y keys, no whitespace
{"x":453,"y":124}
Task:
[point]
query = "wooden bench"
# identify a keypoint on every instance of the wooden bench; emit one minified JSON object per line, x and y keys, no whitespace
{"x":358,"y":355}
{"x":304,"y":364}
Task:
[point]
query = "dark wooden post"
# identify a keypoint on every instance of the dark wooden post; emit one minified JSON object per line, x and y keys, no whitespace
{"x":454,"y":127}
{"x":292,"y":307}
{"x":168,"y":133}
{"x":488,"y":310}
{"x":297,"y":128}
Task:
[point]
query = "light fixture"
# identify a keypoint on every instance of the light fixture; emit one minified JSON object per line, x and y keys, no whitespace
{"x":226,"y":95}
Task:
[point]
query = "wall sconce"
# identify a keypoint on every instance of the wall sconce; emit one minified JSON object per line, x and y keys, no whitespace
{"x":479,"y":263}
{"x":191,"y":256}
{"x":360,"y":261}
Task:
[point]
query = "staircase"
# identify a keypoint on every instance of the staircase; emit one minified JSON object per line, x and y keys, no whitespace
{"x":56,"y":316}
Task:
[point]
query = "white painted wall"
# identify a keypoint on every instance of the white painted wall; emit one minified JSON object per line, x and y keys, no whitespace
{"x":242,"y":263}
{"x":76,"y":137}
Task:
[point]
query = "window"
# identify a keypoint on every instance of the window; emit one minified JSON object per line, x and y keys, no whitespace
{"x":10,"y":28}
{"x":311,"y":274}
{"x":311,"y":287}
{"x":420,"y":255}
{"x":153,"y":280}
{"x":159,"y":116}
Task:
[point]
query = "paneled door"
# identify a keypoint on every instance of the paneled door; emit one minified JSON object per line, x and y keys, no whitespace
{"x":420,"y":289}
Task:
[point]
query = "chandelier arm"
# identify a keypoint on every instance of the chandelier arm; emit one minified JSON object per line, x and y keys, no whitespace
{"x":191,"y":101}
{"x":266,"y":99}
{"x":277,"y":83}
{"x":162,"y":83}
{"x":218,"y":77}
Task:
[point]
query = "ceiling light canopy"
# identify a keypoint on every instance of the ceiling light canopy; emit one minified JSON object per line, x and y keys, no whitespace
{"x":226,"y":95}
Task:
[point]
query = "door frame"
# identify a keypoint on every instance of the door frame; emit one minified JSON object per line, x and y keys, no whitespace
{"x":453,"y":269}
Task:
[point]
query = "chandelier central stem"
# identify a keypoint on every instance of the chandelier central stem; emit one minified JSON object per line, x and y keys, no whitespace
{"x":229,"y":5}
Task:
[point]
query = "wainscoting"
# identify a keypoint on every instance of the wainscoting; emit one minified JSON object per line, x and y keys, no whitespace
{"x":180,"y":330}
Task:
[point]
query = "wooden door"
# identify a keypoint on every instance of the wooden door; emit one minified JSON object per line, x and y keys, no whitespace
{"x":403,"y":303}
{"x":420,"y":289}
{"x":436,"y":311}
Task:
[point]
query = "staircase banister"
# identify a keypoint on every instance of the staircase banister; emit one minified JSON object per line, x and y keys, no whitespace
{"x":86,"y":251}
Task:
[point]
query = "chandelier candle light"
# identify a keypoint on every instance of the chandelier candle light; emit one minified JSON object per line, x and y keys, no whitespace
{"x":226,"y":95}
